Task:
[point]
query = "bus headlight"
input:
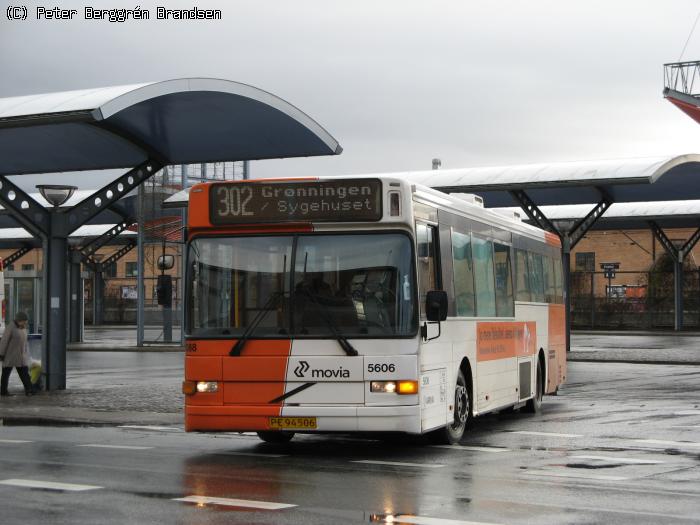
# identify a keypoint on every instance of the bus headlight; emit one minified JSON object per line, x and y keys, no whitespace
{"x":394,"y":387}
{"x":207,"y":386}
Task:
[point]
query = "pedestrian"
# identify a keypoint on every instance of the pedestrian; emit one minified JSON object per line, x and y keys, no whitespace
{"x":14,"y":352}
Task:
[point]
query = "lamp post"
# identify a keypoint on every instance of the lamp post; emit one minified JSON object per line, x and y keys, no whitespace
{"x":55,"y":270}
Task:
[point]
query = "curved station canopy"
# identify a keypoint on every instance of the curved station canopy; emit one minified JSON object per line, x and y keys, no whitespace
{"x":625,"y":180}
{"x":138,"y":129}
{"x":175,"y":122}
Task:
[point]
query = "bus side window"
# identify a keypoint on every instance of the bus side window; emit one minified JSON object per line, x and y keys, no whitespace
{"x":536,"y":277}
{"x":427,"y":265}
{"x":463,"y":274}
{"x":482,"y":252}
{"x":557,"y":282}
{"x":522,"y":287}
{"x":504,"y":281}
{"x":549,"y":285}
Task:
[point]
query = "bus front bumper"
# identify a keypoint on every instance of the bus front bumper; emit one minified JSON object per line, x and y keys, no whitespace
{"x":327,"y":418}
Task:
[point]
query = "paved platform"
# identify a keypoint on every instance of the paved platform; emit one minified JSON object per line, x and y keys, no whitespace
{"x":143,"y":387}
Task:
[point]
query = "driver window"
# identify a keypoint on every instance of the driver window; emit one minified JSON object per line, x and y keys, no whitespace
{"x":427,"y":267}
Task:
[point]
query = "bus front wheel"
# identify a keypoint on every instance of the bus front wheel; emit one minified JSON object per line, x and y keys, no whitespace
{"x":276,"y":436}
{"x":462,"y":412}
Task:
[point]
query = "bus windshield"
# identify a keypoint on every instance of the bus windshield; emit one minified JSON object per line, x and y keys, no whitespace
{"x":352,"y":285}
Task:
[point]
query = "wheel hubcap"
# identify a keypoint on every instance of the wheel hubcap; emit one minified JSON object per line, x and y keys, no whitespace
{"x":461,"y":405}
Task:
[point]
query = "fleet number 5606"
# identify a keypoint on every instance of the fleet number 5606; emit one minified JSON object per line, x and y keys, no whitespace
{"x":381,"y":367}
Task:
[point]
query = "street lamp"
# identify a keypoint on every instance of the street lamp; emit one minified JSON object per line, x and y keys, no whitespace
{"x":56,"y":194}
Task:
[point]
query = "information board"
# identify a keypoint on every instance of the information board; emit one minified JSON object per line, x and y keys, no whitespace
{"x":356,"y":200}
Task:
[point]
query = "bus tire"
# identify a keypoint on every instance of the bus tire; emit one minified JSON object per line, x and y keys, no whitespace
{"x":462,"y":414}
{"x":278,"y":436}
{"x":534,"y":405}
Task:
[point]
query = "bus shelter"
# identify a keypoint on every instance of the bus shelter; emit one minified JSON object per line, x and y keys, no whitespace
{"x":138,"y":129}
{"x":658,"y":217}
{"x":595,"y":184}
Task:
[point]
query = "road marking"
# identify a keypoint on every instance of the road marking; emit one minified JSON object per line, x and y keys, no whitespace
{"x":552,"y":434}
{"x":398,"y":463}
{"x":15,"y":441}
{"x":149,"y":427}
{"x":425,"y":520}
{"x":50,"y":485}
{"x":578,"y":475}
{"x":630,"y":461}
{"x":125,"y":447}
{"x":687,"y":413}
{"x":670,"y":443}
{"x":230,"y":502}
{"x":254,"y":454}
{"x":475,"y":449}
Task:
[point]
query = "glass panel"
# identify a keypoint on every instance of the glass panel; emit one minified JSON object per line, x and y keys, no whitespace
{"x":463,"y":274}
{"x":24,"y":300}
{"x":558,"y":281}
{"x":347,"y":284}
{"x":549,"y":288}
{"x":483,"y":274}
{"x":504,"y":281}
{"x":425,"y":245}
{"x":522,"y":279}
{"x":353,"y":284}
{"x":534,"y":261}
{"x":231,"y":281}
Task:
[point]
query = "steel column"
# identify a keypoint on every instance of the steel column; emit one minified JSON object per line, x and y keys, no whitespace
{"x":76,"y":303}
{"x":140,"y":287}
{"x":56,"y":265}
{"x":678,"y":293}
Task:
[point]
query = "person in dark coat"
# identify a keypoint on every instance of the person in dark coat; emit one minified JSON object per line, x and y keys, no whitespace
{"x":14,"y":352}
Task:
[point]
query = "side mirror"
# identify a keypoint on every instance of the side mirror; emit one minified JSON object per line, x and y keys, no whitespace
{"x":166,"y":262}
{"x":436,"y":305}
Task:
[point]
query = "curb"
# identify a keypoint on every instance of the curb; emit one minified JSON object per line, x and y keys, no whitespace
{"x":38,"y":421}
{"x":631,"y":361}
{"x":125,"y":349}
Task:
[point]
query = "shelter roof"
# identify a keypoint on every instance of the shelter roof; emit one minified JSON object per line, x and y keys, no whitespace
{"x":625,"y":180}
{"x":627,"y":215}
{"x":180,"y":121}
{"x":17,"y":237}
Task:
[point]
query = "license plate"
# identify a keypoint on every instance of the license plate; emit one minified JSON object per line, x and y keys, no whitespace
{"x":296,"y":423}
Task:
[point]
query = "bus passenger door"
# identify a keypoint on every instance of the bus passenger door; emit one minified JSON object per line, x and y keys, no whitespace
{"x":435,"y":355}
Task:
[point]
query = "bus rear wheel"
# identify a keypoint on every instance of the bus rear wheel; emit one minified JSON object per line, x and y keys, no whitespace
{"x":534,"y":405}
{"x":281,"y":436}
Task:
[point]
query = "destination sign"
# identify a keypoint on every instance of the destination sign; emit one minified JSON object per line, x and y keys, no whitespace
{"x":346,"y":200}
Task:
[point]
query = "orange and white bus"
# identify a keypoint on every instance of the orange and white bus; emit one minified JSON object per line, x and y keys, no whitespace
{"x":364,"y":304}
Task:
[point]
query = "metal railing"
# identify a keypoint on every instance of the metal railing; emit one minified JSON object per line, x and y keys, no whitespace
{"x":683,"y":77}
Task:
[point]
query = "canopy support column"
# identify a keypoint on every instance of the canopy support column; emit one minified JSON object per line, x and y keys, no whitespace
{"x":75,"y":327}
{"x":56,"y":267}
{"x":678,"y":257}
{"x":569,"y":238}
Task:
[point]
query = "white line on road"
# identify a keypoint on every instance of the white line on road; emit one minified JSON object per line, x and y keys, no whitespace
{"x":148,"y":427}
{"x":125,"y":447}
{"x":425,"y":520}
{"x":11,"y":441}
{"x":687,"y":413}
{"x":254,"y":454}
{"x":472,"y":448}
{"x":398,"y":463}
{"x":631,"y":461}
{"x":229,"y":502}
{"x":551,"y":434}
{"x":669,"y":443}
{"x":50,"y":485}
{"x":578,"y":475}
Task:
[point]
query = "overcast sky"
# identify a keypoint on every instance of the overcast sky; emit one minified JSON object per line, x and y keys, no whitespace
{"x":398,"y":82}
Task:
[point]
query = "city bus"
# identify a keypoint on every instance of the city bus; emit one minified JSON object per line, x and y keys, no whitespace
{"x":364,"y":304}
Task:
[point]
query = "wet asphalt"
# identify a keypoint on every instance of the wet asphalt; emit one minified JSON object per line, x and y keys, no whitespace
{"x":620,"y":444}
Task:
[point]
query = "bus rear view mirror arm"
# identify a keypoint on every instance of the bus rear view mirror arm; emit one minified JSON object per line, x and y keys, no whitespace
{"x":435,"y":311}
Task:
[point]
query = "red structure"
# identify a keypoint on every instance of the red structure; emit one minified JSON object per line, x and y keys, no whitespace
{"x":682,"y":87}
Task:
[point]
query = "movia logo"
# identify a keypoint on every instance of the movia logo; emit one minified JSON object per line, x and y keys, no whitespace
{"x":304,"y":367}
{"x":301,"y":369}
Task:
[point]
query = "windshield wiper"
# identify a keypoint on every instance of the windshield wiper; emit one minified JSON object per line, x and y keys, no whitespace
{"x":270,"y":304}
{"x":342,"y":340}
